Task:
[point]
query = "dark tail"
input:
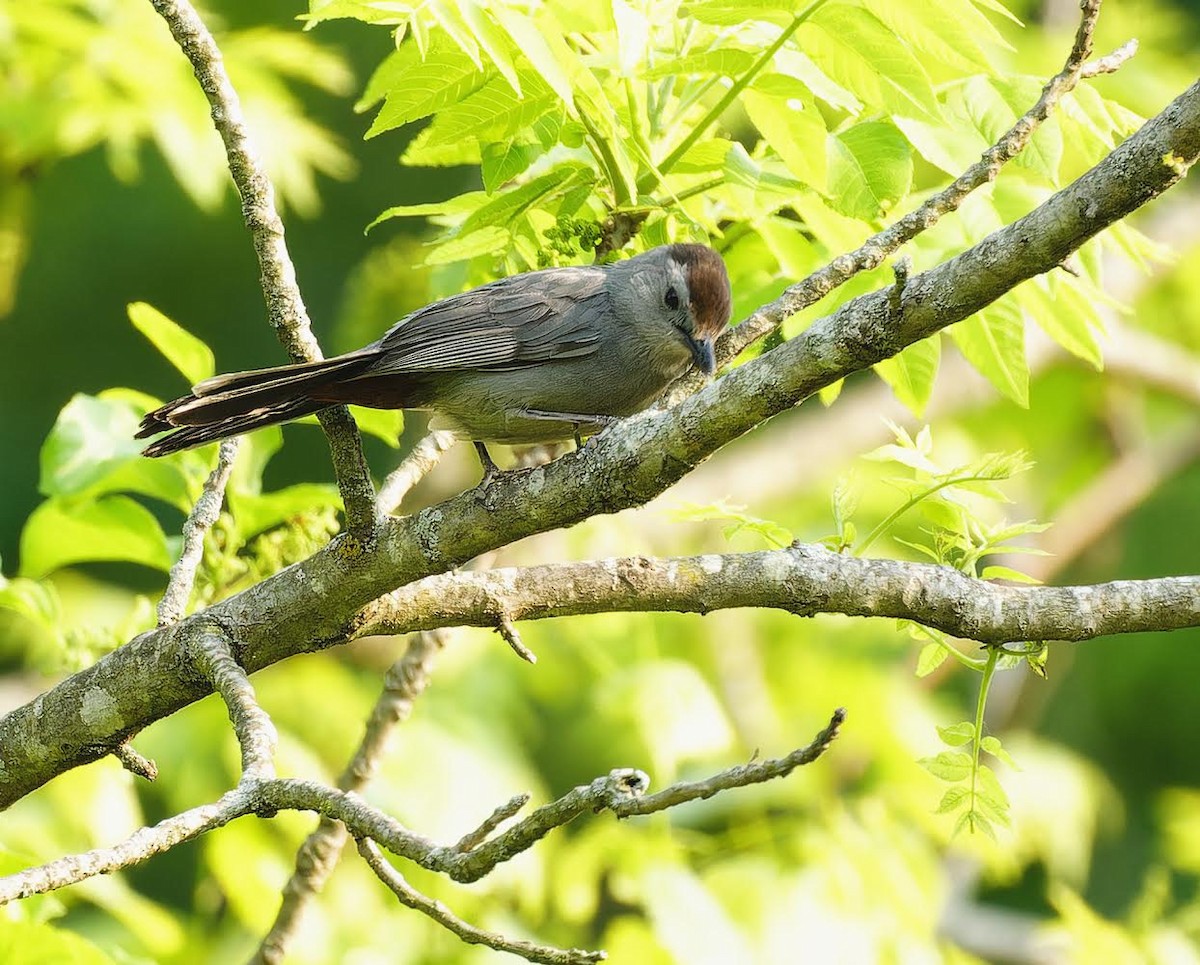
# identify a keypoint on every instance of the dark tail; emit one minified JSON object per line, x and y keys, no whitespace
{"x":228,"y":405}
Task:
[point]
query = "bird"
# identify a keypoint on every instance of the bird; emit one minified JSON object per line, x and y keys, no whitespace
{"x":532,"y":358}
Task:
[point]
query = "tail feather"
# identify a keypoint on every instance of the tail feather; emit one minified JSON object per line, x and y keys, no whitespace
{"x":189,"y":437}
{"x":228,"y":405}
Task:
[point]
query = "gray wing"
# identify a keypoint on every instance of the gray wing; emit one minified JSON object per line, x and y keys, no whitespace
{"x":509,"y":324}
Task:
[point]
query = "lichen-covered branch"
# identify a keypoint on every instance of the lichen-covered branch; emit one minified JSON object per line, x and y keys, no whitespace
{"x":411,"y":898}
{"x":318,"y":602}
{"x":182,"y":578}
{"x":285,"y":306}
{"x":404,"y":682}
{"x":615,"y":791}
{"x":802,"y":579}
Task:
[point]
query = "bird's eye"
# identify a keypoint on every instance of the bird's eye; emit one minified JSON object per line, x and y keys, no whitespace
{"x":672,"y":298}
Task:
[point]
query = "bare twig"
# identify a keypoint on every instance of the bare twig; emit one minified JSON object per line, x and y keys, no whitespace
{"x":284,"y":304}
{"x":878,"y":247}
{"x":754,"y":772}
{"x":473,"y":839}
{"x":424,"y":456}
{"x":508,"y":631}
{"x":619,"y":791}
{"x":182,"y":577}
{"x":1110,"y":63}
{"x":255,"y":732}
{"x":470,"y":934}
{"x":405,"y":681}
{"x":136,"y":763}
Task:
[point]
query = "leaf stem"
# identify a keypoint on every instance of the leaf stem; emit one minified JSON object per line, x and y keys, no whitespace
{"x":891,"y":518}
{"x":985,"y":684}
{"x":651,"y":180}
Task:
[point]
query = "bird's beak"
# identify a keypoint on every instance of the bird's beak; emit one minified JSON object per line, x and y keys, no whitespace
{"x":702,"y":355}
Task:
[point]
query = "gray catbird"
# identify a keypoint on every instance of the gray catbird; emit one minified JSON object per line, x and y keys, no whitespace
{"x":531,"y":358}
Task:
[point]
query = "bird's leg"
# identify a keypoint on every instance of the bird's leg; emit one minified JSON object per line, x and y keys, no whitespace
{"x":490,"y":469}
{"x":577,"y":419}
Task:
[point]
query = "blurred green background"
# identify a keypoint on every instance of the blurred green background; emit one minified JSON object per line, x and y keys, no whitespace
{"x":846,"y":856}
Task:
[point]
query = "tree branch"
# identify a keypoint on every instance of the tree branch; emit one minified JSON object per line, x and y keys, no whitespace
{"x":803,"y":579}
{"x":285,"y":307}
{"x":182,"y":578}
{"x":875,"y":249}
{"x":618,"y":791}
{"x":411,"y":898}
{"x":405,"y":681}
{"x":316,"y":603}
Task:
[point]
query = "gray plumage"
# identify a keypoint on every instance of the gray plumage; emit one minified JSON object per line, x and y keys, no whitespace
{"x":498,"y":363}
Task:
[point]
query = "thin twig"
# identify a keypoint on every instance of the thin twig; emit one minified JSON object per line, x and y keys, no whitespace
{"x":508,"y":632}
{"x":405,"y":681}
{"x":473,"y":839}
{"x":255,"y":732}
{"x":182,"y":578}
{"x":285,"y":306}
{"x":619,"y":791}
{"x":754,"y":772}
{"x":411,"y":898}
{"x":136,"y":763}
{"x":415,"y":466}
{"x":878,"y":247}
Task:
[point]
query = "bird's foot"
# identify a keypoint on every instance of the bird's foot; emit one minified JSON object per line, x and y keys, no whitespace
{"x":491,"y":472}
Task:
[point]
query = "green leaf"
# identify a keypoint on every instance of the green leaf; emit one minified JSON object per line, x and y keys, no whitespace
{"x":501,"y":161}
{"x":737,"y":12}
{"x":30,"y":943}
{"x":459,"y":205}
{"x":953,"y":799}
{"x":952,"y":144}
{"x":35,"y":601}
{"x":1070,"y":318}
{"x":741,"y":169}
{"x":721,"y":61}
{"x":944,"y":29}
{"x":792,"y":125}
{"x":912,"y":373}
{"x":504,"y":208}
{"x":59,"y":533}
{"x":957,"y":734}
{"x":495,"y":112}
{"x":444,"y":78}
{"x":384,"y":424}
{"x":855,"y":33}
{"x":994,"y":106}
{"x":932,"y":656}
{"x":870,"y":169}
{"x":993,"y":341}
{"x":993,"y":746}
{"x":486,"y":241}
{"x":1007,"y":573}
{"x":950,"y":766}
{"x":255,"y":514}
{"x":91,"y":450}
{"x":180,"y":347}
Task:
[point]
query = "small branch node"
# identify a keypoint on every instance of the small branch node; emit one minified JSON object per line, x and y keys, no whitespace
{"x":1111,"y":62}
{"x":508,"y":631}
{"x":622,"y":786}
{"x":135,"y":763}
{"x":900,"y":269}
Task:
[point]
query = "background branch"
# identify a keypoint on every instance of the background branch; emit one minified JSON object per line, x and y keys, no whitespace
{"x":285,"y":306}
